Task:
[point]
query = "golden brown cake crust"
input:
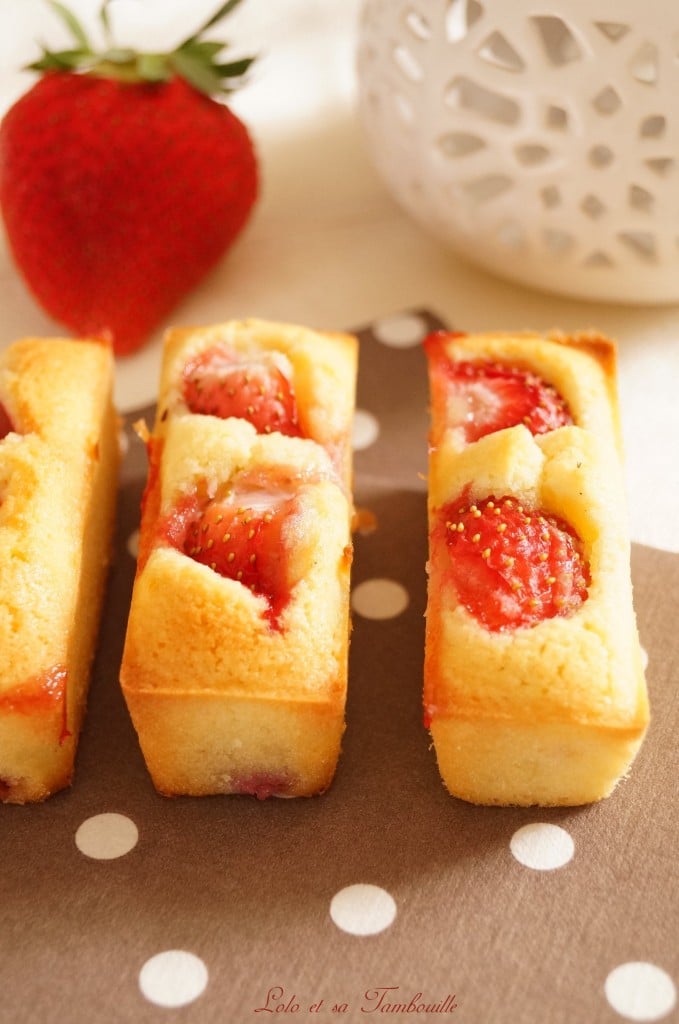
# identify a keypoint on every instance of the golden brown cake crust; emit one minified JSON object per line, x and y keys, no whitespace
{"x":554,"y":713}
{"x":58,"y":480}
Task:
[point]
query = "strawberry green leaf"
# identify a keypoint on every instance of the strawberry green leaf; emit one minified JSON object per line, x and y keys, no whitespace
{"x":195,"y":60}
{"x":105,"y":20}
{"x":198,"y":74}
{"x":64,"y":60}
{"x":235,"y":68}
{"x":72,"y":23}
{"x":201,"y":49}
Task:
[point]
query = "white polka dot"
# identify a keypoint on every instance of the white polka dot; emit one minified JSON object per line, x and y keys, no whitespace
{"x":362,"y":909}
{"x":542,"y":846}
{"x":366,"y":429}
{"x":640,"y":991}
{"x":133,"y":544}
{"x":401,"y":331}
{"x":379,"y":599}
{"x":106,"y":836}
{"x":173,"y":978}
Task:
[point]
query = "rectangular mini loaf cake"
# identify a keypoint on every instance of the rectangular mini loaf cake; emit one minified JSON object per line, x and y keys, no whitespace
{"x":58,"y":478}
{"x":235,"y":661}
{"x":534,"y":688}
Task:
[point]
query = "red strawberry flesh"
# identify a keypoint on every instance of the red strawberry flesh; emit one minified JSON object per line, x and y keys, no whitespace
{"x":512,"y":567}
{"x":240,"y":541}
{"x":483,"y":397}
{"x":218,"y":383}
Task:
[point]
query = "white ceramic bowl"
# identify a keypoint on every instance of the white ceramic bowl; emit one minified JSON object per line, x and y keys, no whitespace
{"x":541,"y":139}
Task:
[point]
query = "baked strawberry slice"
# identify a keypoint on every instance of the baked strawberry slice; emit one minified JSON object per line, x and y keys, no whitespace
{"x":218,"y":383}
{"x":241,"y":540}
{"x":512,"y":567}
{"x":482,"y":397}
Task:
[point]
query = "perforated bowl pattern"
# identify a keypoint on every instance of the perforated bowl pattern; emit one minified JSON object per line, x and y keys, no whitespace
{"x":541,"y":140}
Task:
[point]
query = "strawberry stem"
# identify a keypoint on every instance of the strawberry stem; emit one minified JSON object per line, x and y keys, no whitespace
{"x":195,"y":60}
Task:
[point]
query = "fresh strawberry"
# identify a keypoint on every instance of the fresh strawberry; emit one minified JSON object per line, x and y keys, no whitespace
{"x":511,"y":566}
{"x":240,"y":541}
{"x":482,"y":397}
{"x":6,"y":426}
{"x":123,"y":181}
{"x":217,"y":383}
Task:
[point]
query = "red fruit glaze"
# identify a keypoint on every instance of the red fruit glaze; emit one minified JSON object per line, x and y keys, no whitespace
{"x":217,"y":383}
{"x":510,"y":567}
{"x":239,"y":542}
{"x":150,"y":502}
{"x":262,"y":784}
{"x":118,"y":198}
{"x":6,"y":426}
{"x":40,"y":695}
{"x":482,"y":397}
{"x":7,"y":787}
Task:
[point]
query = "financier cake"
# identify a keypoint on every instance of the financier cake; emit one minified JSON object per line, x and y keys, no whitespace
{"x":58,"y":480}
{"x":235,"y":662}
{"x":534,"y":689}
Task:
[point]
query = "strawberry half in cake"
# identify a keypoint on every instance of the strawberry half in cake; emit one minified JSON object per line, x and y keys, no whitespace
{"x":282,"y":379}
{"x":482,"y":396}
{"x":511,"y":567}
{"x":241,"y":537}
{"x":257,"y":388}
